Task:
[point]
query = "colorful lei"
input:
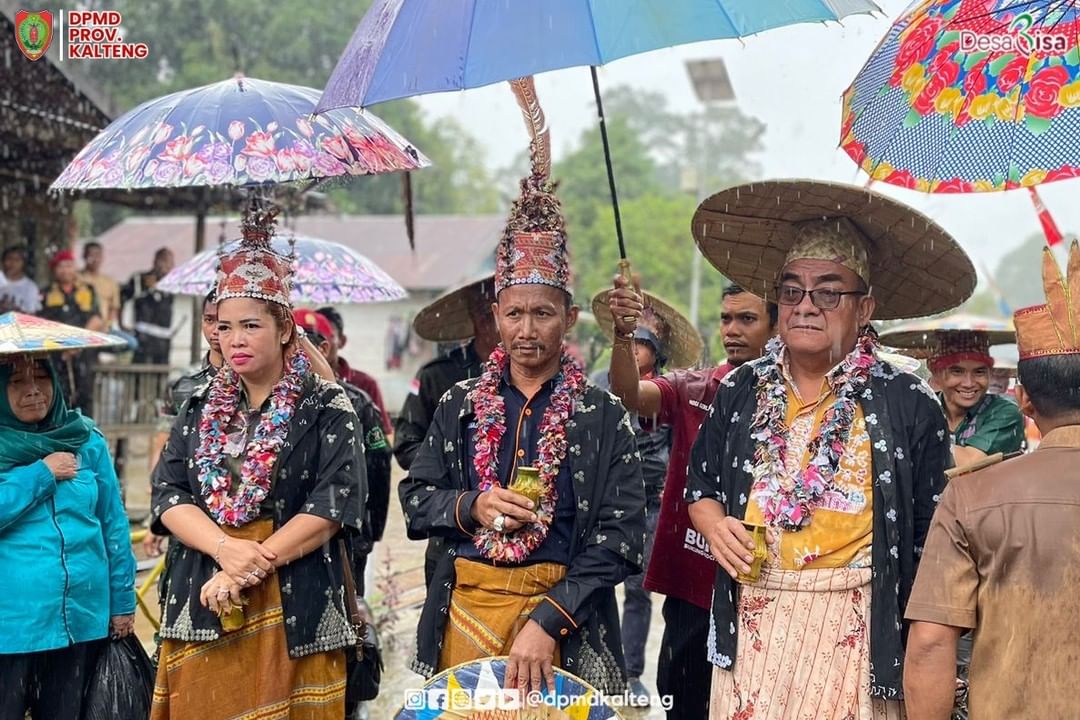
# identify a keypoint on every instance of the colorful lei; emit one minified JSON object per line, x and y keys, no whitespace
{"x":490,"y":408}
{"x":239,"y":504}
{"x":789,"y":501}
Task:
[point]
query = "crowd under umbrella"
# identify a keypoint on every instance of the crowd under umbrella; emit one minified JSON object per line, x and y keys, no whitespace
{"x":242,"y":133}
{"x":403,"y":48}
{"x":963,"y":97}
{"x":325,"y":272}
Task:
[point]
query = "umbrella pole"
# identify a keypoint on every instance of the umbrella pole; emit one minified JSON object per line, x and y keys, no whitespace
{"x":196,"y":307}
{"x":607,"y":161}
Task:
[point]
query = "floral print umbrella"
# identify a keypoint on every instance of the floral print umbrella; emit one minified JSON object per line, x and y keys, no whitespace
{"x":325,"y":272}
{"x":241,"y":132}
{"x":970,"y":96}
{"x":26,"y":334}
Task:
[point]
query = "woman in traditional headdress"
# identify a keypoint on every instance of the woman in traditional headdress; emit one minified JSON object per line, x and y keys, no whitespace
{"x":65,"y":551}
{"x":263,"y":469}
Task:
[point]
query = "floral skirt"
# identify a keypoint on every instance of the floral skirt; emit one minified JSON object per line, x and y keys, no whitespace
{"x":803,"y":651}
{"x":247,"y":674}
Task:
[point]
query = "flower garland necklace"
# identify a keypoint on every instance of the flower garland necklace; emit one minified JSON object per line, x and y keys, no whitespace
{"x":789,"y":500}
{"x":239,"y":504}
{"x":490,"y":409}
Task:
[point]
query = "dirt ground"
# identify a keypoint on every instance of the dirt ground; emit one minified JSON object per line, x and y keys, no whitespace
{"x":395,"y":593}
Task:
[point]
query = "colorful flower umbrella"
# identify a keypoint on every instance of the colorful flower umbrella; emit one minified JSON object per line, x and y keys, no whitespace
{"x":474,"y":691}
{"x":325,"y":273}
{"x":404,"y":48}
{"x":970,"y":96}
{"x":920,"y":338}
{"x":26,"y":334}
{"x":240,"y":132}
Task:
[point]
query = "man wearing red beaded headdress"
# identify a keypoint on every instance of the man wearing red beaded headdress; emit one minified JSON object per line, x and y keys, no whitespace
{"x":532,"y":476}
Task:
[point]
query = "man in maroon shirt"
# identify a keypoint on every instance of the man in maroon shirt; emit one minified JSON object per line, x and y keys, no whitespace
{"x":683,"y":568}
{"x":354,"y":377}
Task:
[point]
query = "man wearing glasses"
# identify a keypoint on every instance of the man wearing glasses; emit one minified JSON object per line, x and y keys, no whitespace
{"x":836,"y":453}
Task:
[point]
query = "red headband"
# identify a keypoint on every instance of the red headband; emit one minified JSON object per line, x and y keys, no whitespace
{"x":61,"y":256}
{"x":945,"y":361}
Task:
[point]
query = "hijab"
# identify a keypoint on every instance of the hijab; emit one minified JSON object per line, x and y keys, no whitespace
{"x":61,"y":430}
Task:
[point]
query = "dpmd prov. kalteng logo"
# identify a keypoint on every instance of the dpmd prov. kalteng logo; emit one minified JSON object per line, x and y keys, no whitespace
{"x":81,"y":35}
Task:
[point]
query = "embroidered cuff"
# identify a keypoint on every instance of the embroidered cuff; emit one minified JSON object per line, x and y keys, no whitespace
{"x":463,"y":512}
{"x":554,"y":619}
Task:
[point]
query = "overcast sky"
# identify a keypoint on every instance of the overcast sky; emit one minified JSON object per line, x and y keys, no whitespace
{"x":791,"y":79}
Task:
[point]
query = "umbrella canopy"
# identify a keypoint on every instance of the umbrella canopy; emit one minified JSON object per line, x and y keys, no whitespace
{"x":26,"y":334}
{"x":969,"y":96}
{"x":403,"y":48}
{"x":922,"y":338}
{"x":242,"y":132}
{"x":477,"y":688}
{"x":325,"y":272}
{"x":412,"y":47}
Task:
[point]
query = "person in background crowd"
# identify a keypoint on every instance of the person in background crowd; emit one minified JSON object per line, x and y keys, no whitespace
{"x":1003,"y":553}
{"x":73,"y":302}
{"x":683,"y":571}
{"x":107,"y":289}
{"x":354,"y":377}
{"x":835,"y":454}
{"x":463,"y":314}
{"x":65,"y":553}
{"x":153,"y":310}
{"x":20,"y":292}
{"x":980,"y":422}
{"x":663,"y":333}
{"x":376,"y":455}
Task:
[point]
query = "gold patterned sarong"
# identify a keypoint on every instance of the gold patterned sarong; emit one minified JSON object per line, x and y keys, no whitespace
{"x":803,"y":650}
{"x":490,"y":605}
{"x":247,"y":674}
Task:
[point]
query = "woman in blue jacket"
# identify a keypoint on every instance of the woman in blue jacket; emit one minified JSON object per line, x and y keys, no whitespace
{"x":67,"y":573}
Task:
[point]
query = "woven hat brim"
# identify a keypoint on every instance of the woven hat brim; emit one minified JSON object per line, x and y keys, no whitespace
{"x":447,"y":318}
{"x":684,"y":346}
{"x":924,"y":345}
{"x":916,"y":267}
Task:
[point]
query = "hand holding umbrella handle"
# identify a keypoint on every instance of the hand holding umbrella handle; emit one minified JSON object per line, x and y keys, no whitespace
{"x":624,"y":272}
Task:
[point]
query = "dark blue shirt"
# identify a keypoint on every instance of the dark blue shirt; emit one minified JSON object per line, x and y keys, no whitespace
{"x":518,"y":447}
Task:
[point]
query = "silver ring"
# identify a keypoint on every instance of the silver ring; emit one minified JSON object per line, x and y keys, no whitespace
{"x":222,"y":591}
{"x":499,"y":523}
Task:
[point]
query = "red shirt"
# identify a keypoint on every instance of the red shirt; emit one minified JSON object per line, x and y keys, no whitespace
{"x":366,"y":383}
{"x":681,"y":565}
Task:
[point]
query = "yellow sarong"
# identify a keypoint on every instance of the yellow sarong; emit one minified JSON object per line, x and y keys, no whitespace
{"x":490,"y":605}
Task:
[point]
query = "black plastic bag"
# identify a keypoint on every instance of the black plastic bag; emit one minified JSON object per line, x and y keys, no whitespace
{"x":122,"y":684}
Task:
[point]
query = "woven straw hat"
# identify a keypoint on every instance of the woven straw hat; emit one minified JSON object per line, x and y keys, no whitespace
{"x":447,"y":318}
{"x":929,"y":338}
{"x":683,"y":345}
{"x":916,"y":267}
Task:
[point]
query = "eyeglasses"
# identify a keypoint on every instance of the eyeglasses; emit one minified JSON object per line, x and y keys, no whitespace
{"x":823,"y":299}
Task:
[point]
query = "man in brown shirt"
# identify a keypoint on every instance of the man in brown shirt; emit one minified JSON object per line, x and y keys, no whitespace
{"x":1003,"y":554}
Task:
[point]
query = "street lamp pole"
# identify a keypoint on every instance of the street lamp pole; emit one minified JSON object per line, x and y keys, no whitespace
{"x":711,"y":86}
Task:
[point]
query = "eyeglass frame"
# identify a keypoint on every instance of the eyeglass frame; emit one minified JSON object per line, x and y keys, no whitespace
{"x":814,"y":295}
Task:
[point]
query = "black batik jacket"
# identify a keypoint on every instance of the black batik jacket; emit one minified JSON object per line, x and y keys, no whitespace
{"x":319,"y":471}
{"x":910,"y":453}
{"x":608,"y":539}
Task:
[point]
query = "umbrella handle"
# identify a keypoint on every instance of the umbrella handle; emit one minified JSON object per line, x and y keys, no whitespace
{"x":607,"y":162}
{"x":624,"y":272}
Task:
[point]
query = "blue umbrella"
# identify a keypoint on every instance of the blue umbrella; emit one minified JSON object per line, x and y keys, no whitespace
{"x":411,"y":47}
